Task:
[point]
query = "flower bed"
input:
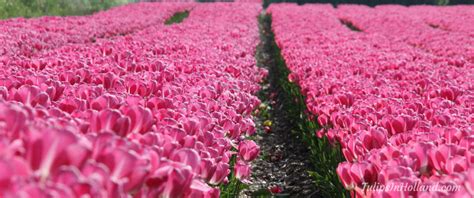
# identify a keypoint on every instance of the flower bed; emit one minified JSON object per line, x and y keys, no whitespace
{"x":402,"y":115}
{"x":27,"y":37}
{"x":449,"y":18}
{"x":400,"y":24}
{"x":158,"y":112}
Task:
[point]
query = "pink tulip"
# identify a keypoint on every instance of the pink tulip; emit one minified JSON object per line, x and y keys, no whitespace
{"x":248,"y":150}
{"x":48,"y":149}
{"x":110,"y":120}
{"x":14,"y":117}
{"x":200,"y":189}
{"x":141,"y":118}
{"x":362,"y":173}
{"x":189,"y":157}
{"x":191,"y":127}
{"x":444,"y":153}
{"x":170,"y":180}
{"x":12,"y":168}
{"x":343,"y":171}
{"x":220,"y":174}
{"x":419,"y":153}
{"x":105,"y":101}
{"x":242,"y":171}
{"x":31,"y":95}
{"x":72,"y":178}
{"x":116,"y":159}
{"x":207,"y":168}
{"x":323,"y":120}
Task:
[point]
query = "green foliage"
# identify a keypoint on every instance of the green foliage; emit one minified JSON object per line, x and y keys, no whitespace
{"x":233,"y":188}
{"x":177,"y":17}
{"x":35,"y":8}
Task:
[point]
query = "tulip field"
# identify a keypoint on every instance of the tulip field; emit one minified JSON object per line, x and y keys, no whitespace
{"x":128,"y":103}
{"x":100,"y":107}
{"x":395,"y":93}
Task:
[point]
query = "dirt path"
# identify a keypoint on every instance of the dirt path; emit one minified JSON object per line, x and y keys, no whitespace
{"x":283,"y":163}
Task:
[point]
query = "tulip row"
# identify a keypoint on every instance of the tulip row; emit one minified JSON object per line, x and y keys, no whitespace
{"x":402,"y":115}
{"x":161,"y":112}
{"x":27,"y":37}
{"x":448,"y":18}
{"x":401,"y":24}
